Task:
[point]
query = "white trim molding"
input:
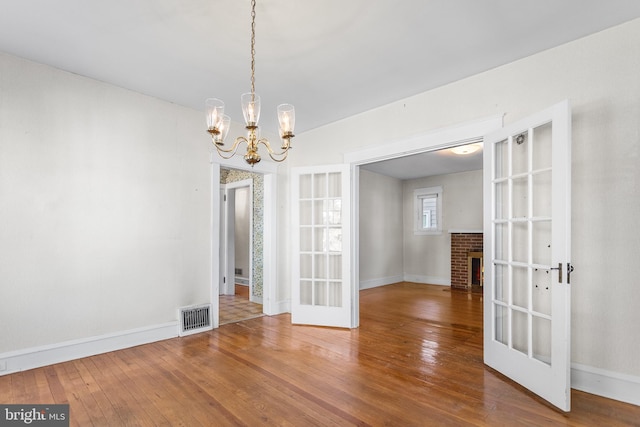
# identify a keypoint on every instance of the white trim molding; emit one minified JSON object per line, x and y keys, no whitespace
{"x":612,"y":385}
{"x":427,"y":280}
{"x":381,"y":281}
{"x":36,"y":357}
{"x":471,"y":131}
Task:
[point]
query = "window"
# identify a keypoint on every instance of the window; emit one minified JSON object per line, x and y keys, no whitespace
{"x":428,"y":209}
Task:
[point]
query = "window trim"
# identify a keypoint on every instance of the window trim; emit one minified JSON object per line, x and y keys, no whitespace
{"x":418,"y":195}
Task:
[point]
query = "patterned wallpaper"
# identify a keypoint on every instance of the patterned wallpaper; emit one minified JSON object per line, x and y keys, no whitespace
{"x":234,"y":175}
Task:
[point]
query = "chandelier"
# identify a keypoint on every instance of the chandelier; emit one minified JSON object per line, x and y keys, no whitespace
{"x":218,"y":123}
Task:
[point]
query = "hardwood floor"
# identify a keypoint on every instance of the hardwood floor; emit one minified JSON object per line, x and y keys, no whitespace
{"x":415,"y":360}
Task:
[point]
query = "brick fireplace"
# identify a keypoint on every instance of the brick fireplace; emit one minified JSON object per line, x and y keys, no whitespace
{"x":464,"y":246}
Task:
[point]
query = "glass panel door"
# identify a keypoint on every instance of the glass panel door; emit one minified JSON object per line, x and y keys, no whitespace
{"x":321,"y":287}
{"x":527,"y":170}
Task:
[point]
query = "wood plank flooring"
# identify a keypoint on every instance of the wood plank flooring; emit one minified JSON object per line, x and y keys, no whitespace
{"x":416,"y":360}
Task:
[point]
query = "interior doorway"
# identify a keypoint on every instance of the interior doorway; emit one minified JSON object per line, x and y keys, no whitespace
{"x":439,"y":188}
{"x":241,"y":260}
{"x":423,"y":145}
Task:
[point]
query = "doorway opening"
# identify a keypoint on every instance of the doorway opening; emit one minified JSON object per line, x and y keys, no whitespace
{"x":241,"y":255}
{"x":403,"y":249}
{"x":392,"y":157}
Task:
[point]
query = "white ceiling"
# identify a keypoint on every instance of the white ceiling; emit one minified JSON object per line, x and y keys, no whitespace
{"x":330,"y":58}
{"x":427,"y":164}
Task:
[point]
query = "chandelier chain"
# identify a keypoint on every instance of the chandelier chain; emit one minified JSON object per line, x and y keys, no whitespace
{"x":253,"y":50}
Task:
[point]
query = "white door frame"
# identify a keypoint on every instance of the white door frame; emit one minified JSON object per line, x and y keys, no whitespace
{"x":464,"y":133}
{"x":270,"y":304}
{"x":228,"y":240}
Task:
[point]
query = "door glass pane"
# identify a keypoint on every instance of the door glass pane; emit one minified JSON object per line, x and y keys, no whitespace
{"x":306,"y":242}
{"x":520,"y":287}
{"x":306,"y":217}
{"x":519,"y":331}
{"x":502,"y":324}
{"x":542,"y":147}
{"x":501,"y":159}
{"x":335,"y":294}
{"x":306,"y":292}
{"x":335,"y":266}
{"x":541,"y":242}
{"x":541,"y":298}
{"x":319,"y":185}
{"x":319,"y":215}
{"x":520,"y":241}
{"x":519,"y":155}
{"x":320,"y":293}
{"x":542,"y":194}
{"x":320,"y":269}
{"x":334,"y":239}
{"x":502,"y":200}
{"x":520,"y":193}
{"x":320,"y":239}
{"x":501,"y":283}
{"x":541,"y":339}
{"x":305,"y":187}
{"x":333,"y":211}
{"x":501,"y":242}
{"x":306,"y":266}
{"x":335,"y":185}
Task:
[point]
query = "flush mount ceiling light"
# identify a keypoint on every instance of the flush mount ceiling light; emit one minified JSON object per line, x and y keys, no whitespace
{"x":466,"y":149}
{"x":218,"y":123}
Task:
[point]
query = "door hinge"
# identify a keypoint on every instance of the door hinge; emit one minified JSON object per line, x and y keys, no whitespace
{"x":224,"y":279}
{"x":225,"y":197}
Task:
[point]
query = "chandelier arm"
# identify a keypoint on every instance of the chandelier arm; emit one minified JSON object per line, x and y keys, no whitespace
{"x":232,"y":150}
{"x":279,"y":160}
{"x":272,"y":153}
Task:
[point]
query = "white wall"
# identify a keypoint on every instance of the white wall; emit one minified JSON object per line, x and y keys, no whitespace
{"x":105,"y":193}
{"x":427,"y":258}
{"x":104,"y":208}
{"x":380,"y":228}
{"x":599,"y":75}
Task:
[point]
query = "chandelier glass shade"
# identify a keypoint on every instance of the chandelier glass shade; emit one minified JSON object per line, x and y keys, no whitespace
{"x":218,"y":123}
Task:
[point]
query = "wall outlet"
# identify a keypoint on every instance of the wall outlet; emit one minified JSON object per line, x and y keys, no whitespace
{"x":3,"y":365}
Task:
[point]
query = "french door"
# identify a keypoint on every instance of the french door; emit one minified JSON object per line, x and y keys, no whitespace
{"x":527,"y":219}
{"x":322,"y":287}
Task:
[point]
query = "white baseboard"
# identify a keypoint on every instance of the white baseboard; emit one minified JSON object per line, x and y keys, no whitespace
{"x":36,"y":357}
{"x":279,"y":307}
{"x":427,"y":280}
{"x":383,"y":281}
{"x":612,"y":385}
{"x":257,"y":300}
